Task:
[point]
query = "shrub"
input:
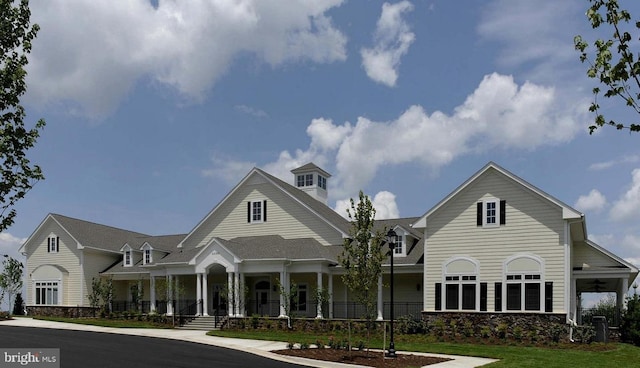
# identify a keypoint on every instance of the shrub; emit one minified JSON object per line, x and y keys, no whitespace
{"x":439,"y":327}
{"x":290,"y":345}
{"x":630,"y":326}
{"x":255,"y":321}
{"x":485,"y":331}
{"x":319,"y":344}
{"x":467,"y":329}
{"x":517,"y":333}
{"x":556,"y":331}
{"x":501,"y":330}
{"x":584,"y":334}
{"x":304,"y":345}
{"x":361,"y":345}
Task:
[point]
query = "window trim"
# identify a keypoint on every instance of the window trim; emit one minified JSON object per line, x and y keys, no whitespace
{"x":461,"y":279}
{"x":498,"y":216}
{"x":251,"y":208}
{"x":128,"y":258}
{"x":53,"y":244}
{"x":524,"y":278}
{"x":58,"y":288}
{"x":401,"y":238}
{"x":147,"y":248}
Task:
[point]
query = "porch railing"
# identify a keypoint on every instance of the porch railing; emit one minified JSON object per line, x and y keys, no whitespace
{"x":340,"y":309}
{"x":613,"y":316}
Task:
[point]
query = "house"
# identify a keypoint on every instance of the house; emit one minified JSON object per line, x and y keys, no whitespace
{"x":496,"y":244}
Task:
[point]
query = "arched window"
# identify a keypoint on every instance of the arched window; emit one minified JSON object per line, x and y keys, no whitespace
{"x":461,"y":287}
{"x":523,"y":277}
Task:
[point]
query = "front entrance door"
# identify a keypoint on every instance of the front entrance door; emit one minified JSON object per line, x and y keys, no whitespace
{"x":219,"y":302}
{"x":262,"y":298}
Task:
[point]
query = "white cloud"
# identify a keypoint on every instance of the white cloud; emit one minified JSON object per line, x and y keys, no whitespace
{"x":230,"y":171}
{"x":384,"y":202}
{"x":498,"y":114}
{"x":594,"y":201}
{"x":607,"y":164}
{"x":392,"y":39}
{"x":627,"y":208}
{"x":90,"y":54}
{"x":257,"y":113}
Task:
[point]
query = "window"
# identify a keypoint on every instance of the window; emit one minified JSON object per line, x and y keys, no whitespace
{"x":127,"y":257}
{"x":256,"y":211}
{"x":147,"y":256}
{"x":300,"y":181}
{"x":491,"y":213}
{"x":308,"y":180}
{"x":46,"y":292}
{"x":53,"y":244}
{"x":461,"y":285}
{"x":524,"y":284}
{"x":322,"y":182}
{"x":398,"y":250}
{"x":299,"y":302}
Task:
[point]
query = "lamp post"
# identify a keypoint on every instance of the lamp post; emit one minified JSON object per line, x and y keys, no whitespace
{"x":391,"y":240}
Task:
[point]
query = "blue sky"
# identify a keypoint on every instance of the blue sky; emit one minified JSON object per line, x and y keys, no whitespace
{"x":155,"y":110}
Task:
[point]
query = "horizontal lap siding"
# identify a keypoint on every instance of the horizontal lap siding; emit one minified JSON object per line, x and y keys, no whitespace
{"x":285,"y":217}
{"x":533,"y":225}
{"x":94,"y":263}
{"x":585,"y":254}
{"x":67,"y":258}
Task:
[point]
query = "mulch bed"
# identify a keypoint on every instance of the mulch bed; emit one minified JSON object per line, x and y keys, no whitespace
{"x":371,"y":359}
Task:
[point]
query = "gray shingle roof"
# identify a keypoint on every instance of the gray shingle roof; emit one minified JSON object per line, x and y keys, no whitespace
{"x":90,"y":234}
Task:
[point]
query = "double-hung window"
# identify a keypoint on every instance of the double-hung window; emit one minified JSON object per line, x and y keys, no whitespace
{"x":147,"y":256}
{"x":53,"y":244}
{"x":127,"y":257}
{"x":492,"y":212}
{"x":256,"y":211}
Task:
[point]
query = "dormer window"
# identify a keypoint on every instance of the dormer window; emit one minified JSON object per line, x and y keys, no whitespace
{"x":53,"y":244}
{"x":147,"y":256}
{"x":399,"y":246}
{"x":127,"y":258}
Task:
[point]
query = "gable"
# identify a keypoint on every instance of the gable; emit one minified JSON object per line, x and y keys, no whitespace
{"x":586,"y":256}
{"x":284,"y":216}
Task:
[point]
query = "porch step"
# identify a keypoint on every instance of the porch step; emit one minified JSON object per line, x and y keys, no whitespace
{"x":204,"y":323}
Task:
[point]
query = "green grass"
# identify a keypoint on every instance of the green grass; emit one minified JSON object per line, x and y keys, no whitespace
{"x":118,"y":323}
{"x":595,"y":355}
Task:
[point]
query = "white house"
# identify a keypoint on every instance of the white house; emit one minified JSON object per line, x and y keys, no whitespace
{"x":496,"y":244}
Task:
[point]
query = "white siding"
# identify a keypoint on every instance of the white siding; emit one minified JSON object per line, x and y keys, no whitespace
{"x":285,"y":217}
{"x":67,"y":258}
{"x":94,"y":263}
{"x":533,"y":226}
{"x":584,"y":255}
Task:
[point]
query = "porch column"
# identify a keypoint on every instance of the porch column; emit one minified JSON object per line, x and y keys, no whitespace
{"x":330,"y":295}
{"x":319,"y":300}
{"x":284,"y":281}
{"x":205,"y":296}
{"x":230,"y":288}
{"x":176,"y":292}
{"x":622,"y":293}
{"x":152,"y":294}
{"x":140,"y":295}
{"x":236,"y":293}
{"x":242,"y":296}
{"x":199,"y":294}
{"x":380,"y":304}
{"x":169,"y":295}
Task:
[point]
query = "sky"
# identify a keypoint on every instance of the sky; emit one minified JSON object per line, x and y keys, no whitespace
{"x":155,"y":110}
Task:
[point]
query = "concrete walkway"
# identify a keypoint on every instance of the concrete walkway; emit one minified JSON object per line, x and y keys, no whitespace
{"x":258,"y":347}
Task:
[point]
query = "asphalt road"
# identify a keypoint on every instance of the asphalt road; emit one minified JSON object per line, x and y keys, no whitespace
{"x":94,"y":349}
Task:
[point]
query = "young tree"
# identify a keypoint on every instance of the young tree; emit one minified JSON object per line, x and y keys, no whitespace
{"x":613,"y":62}
{"x":11,"y":280}
{"x":362,"y":256}
{"x":18,"y":174}
{"x":18,"y":306}
{"x":289,"y":299}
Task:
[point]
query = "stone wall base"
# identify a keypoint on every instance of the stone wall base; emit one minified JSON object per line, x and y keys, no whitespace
{"x":61,"y":311}
{"x":517,"y":326}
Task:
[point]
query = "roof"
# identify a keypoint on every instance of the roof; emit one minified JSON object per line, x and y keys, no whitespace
{"x":310,"y":167}
{"x":568,"y":212}
{"x":90,"y":234}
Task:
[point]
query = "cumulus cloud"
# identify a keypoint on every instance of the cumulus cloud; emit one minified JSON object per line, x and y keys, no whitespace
{"x":594,"y":201}
{"x":392,"y":39}
{"x":627,"y":208}
{"x":498,"y":114}
{"x":89,"y":55}
{"x":384,"y":202}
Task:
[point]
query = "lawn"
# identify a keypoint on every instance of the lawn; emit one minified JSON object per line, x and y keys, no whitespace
{"x":511,"y":355}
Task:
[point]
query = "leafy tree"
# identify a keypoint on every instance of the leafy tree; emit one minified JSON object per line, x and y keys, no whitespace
{"x":321,"y":297}
{"x":362,"y":256}
{"x":18,"y":174}
{"x":11,"y":279}
{"x":613,"y":63}
{"x":237,"y":304}
{"x":18,"y":305}
{"x":289,"y":299}
{"x":630,"y":326}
